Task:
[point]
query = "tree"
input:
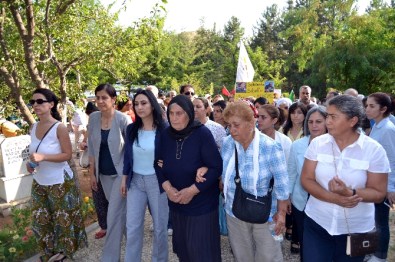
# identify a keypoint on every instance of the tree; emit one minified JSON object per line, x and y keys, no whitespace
{"x":43,"y":40}
{"x":266,"y":34}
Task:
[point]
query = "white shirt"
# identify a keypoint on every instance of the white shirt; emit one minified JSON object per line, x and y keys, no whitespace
{"x":217,"y":131}
{"x":285,"y":142}
{"x":352,"y":163}
{"x":47,"y":172}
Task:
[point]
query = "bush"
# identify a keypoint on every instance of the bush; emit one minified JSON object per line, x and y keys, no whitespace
{"x":17,"y":241}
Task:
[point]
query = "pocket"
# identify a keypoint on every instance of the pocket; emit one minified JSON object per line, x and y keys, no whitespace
{"x":359,"y":164}
{"x":324,"y":158}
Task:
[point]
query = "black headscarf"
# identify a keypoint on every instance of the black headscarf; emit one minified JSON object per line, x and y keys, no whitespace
{"x":185,"y":103}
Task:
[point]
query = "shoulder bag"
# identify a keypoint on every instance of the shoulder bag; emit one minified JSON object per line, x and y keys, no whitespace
{"x":358,"y":244}
{"x":248,"y":207}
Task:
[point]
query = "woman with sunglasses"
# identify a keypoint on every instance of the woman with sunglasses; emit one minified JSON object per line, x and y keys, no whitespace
{"x":139,"y":182}
{"x":56,"y":204}
{"x":106,"y":131}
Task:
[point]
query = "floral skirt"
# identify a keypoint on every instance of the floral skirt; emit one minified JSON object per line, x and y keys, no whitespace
{"x":58,"y":223}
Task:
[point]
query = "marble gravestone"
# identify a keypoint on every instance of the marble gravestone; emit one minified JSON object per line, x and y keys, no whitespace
{"x":15,"y":181}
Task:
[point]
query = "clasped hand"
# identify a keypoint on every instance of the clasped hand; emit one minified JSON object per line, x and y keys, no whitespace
{"x":183,"y":196}
{"x":36,"y":157}
{"x":343,"y":197}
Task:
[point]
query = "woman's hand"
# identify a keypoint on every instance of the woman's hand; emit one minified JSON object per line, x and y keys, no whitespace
{"x":344,"y":196}
{"x":187,"y":194}
{"x":83,"y":145}
{"x":336,"y":185}
{"x":391,"y":198}
{"x":29,"y":168}
{"x":123,"y":186}
{"x":279,"y":219}
{"x":289,"y":206}
{"x":160,"y":163}
{"x":36,"y":157}
{"x":173,"y":195}
{"x":93,"y":182}
{"x":348,"y":202}
{"x":200,"y":174}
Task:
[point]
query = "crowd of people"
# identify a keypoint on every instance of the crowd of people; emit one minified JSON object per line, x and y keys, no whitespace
{"x":328,"y":169}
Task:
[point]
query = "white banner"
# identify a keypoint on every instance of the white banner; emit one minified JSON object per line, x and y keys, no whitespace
{"x":245,"y":71}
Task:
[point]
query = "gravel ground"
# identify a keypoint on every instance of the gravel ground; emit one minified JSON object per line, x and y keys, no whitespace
{"x":93,"y":252}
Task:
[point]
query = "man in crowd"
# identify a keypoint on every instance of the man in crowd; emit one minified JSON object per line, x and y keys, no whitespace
{"x":305,"y":95}
{"x":188,"y":91}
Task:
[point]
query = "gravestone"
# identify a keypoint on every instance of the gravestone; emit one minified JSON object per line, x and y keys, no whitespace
{"x":15,"y":181}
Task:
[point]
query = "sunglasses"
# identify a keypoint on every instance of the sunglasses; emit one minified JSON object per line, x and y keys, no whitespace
{"x":189,"y":93}
{"x":38,"y":101}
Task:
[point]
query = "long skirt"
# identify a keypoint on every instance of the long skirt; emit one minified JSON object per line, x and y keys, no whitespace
{"x":196,"y":238}
{"x":57,"y":218}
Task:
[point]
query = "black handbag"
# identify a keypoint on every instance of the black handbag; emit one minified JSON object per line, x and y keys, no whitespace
{"x":358,"y":244}
{"x":248,"y":207}
{"x":361,"y":244}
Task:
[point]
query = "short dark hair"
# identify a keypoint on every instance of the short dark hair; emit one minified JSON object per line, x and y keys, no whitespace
{"x":110,"y":90}
{"x":261,"y":101}
{"x":350,"y":106}
{"x":182,"y":88}
{"x":221,"y":104}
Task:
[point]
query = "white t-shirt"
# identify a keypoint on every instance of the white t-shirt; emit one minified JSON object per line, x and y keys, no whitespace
{"x":79,"y":118}
{"x":47,"y":172}
{"x":352,"y":163}
{"x":285,"y":142}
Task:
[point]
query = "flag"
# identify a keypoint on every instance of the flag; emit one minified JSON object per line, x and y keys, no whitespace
{"x":292,"y":95}
{"x":245,"y":71}
{"x":225,"y":91}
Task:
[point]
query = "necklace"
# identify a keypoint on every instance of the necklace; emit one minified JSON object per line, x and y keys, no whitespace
{"x":106,"y":122}
{"x":180,"y":144}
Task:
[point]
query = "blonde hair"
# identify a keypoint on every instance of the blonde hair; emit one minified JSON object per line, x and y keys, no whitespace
{"x":239,"y":109}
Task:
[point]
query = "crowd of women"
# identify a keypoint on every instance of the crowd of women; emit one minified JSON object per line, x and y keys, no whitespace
{"x":324,"y":176}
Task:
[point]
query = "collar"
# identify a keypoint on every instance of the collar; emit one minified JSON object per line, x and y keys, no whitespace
{"x":360,"y":141}
{"x":382,"y":123}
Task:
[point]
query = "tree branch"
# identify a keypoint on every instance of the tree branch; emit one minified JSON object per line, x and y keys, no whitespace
{"x":27,"y":36}
{"x":63,"y":5}
{"x":2,"y":40}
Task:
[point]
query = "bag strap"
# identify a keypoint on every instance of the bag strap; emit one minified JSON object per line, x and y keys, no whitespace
{"x":237,"y":177}
{"x":45,"y":135}
{"x":344,"y":209}
{"x":237,"y":164}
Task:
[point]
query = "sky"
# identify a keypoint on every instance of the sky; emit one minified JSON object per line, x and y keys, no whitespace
{"x":187,"y":15}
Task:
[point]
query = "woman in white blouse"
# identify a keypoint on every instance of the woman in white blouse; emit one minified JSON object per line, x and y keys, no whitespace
{"x":345,"y":173}
{"x":270,"y":118}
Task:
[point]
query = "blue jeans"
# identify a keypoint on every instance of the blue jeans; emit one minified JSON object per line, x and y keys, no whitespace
{"x":143,"y":190}
{"x":318,"y":245}
{"x":299,"y":222}
{"x":382,"y":213}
